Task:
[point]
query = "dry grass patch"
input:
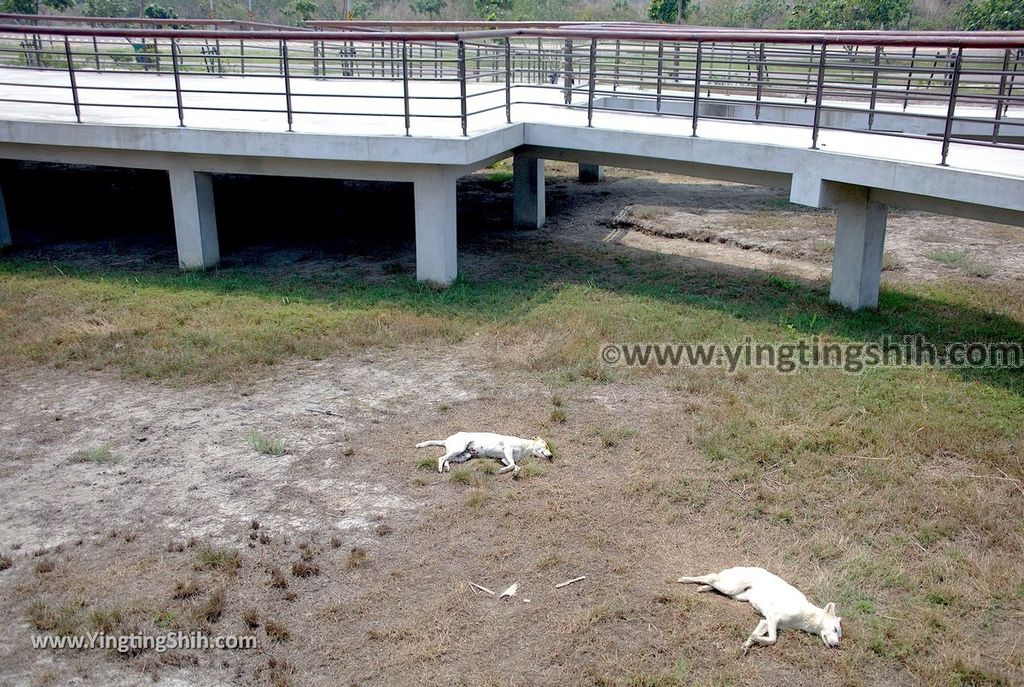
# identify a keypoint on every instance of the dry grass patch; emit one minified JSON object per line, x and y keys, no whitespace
{"x":357,"y":558}
{"x":212,"y":608}
{"x":186,"y":590}
{"x":222,"y":560}
{"x":276,"y":631}
{"x":305,"y":569}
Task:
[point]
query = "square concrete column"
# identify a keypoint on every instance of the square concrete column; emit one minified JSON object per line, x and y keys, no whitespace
{"x":860,"y":240}
{"x":195,"y":218}
{"x":436,"y":244}
{"x":591,"y":174}
{"x":528,"y":192}
{"x":5,"y":224}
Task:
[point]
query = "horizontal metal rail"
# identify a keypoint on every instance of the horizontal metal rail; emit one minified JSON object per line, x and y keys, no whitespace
{"x":945,"y":87}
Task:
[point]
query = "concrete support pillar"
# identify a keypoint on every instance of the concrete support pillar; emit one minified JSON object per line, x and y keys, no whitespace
{"x":528,"y":192}
{"x":436,"y":245}
{"x":860,"y":240}
{"x":195,"y":220}
{"x":590,"y":174}
{"x":5,"y":224}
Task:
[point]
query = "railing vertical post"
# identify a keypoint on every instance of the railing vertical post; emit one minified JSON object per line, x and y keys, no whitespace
{"x":177,"y":80}
{"x":818,"y":95}
{"x":593,"y":82}
{"x":910,"y":78}
{"x":711,"y":69}
{"x":287,"y":83}
{"x":951,"y":111}
{"x":874,"y":87}
{"x":462,"y":88}
{"x":96,"y":49}
{"x":810,"y":66}
{"x":760,"y":81}
{"x":241,"y":54}
{"x":696,"y":86}
{"x":661,"y":61}
{"x":405,"y":84}
{"x":1013,"y":78}
{"x":540,"y":60}
{"x":567,"y":80}
{"x":618,"y":50}
{"x":74,"y":84}
{"x":508,"y":80}
{"x":1002,"y":95}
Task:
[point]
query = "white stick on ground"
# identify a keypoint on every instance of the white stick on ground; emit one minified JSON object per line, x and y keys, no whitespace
{"x":481,"y":588}
{"x":572,"y":581}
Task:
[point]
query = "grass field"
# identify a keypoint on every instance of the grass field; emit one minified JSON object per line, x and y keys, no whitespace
{"x":901,"y":490}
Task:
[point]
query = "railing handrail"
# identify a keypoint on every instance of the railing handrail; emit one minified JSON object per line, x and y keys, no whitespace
{"x":292,"y":34}
{"x":639,"y":32}
{"x":57,"y":19}
{"x":425,"y":23}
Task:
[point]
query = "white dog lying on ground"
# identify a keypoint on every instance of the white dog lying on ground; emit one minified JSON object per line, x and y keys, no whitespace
{"x":781,"y":604}
{"x":465,"y":445}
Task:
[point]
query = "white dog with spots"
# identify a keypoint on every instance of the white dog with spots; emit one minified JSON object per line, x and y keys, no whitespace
{"x":781,"y":604}
{"x":466,"y":445}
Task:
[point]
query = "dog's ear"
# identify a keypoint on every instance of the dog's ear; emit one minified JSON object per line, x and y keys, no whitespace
{"x":830,"y":608}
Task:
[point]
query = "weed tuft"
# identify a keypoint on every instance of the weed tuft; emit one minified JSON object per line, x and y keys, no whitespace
{"x":98,"y":454}
{"x":265,"y":445}
{"x":357,"y":558}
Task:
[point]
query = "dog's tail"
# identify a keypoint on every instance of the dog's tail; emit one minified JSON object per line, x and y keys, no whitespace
{"x":433,"y":442}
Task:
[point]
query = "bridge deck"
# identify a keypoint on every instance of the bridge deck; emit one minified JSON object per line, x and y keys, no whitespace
{"x":375,"y":108}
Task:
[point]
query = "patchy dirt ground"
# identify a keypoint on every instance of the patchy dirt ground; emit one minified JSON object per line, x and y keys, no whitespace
{"x":124,"y":534}
{"x":758,"y":228}
{"x":350,"y":561}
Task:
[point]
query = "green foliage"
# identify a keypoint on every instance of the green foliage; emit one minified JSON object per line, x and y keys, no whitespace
{"x":158,"y":12}
{"x":106,"y":8}
{"x":991,"y":15}
{"x":301,"y":10}
{"x":362,"y":9}
{"x":752,"y":13}
{"x":432,"y":8}
{"x":849,"y":14}
{"x":491,"y":10}
{"x":668,"y":11}
{"x":33,"y":6}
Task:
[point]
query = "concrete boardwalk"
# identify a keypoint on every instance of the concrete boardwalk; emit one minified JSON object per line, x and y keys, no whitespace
{"x":131,"y":120}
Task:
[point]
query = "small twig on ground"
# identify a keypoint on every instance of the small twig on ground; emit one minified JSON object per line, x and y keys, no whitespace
{"x":322,"y":411}
{"x":1016,"y":482}
{"x":474,"y":585}
{"x":572,"y":581}
{"x":918,"y":544}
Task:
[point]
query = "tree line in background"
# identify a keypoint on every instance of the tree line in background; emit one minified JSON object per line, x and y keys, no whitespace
{"x":796,"y":14}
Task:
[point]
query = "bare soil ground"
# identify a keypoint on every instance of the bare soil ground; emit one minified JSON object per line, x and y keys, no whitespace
{"x":350,"y":559}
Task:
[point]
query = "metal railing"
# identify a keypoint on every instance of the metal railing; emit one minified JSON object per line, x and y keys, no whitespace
{"x":944,"y":87}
